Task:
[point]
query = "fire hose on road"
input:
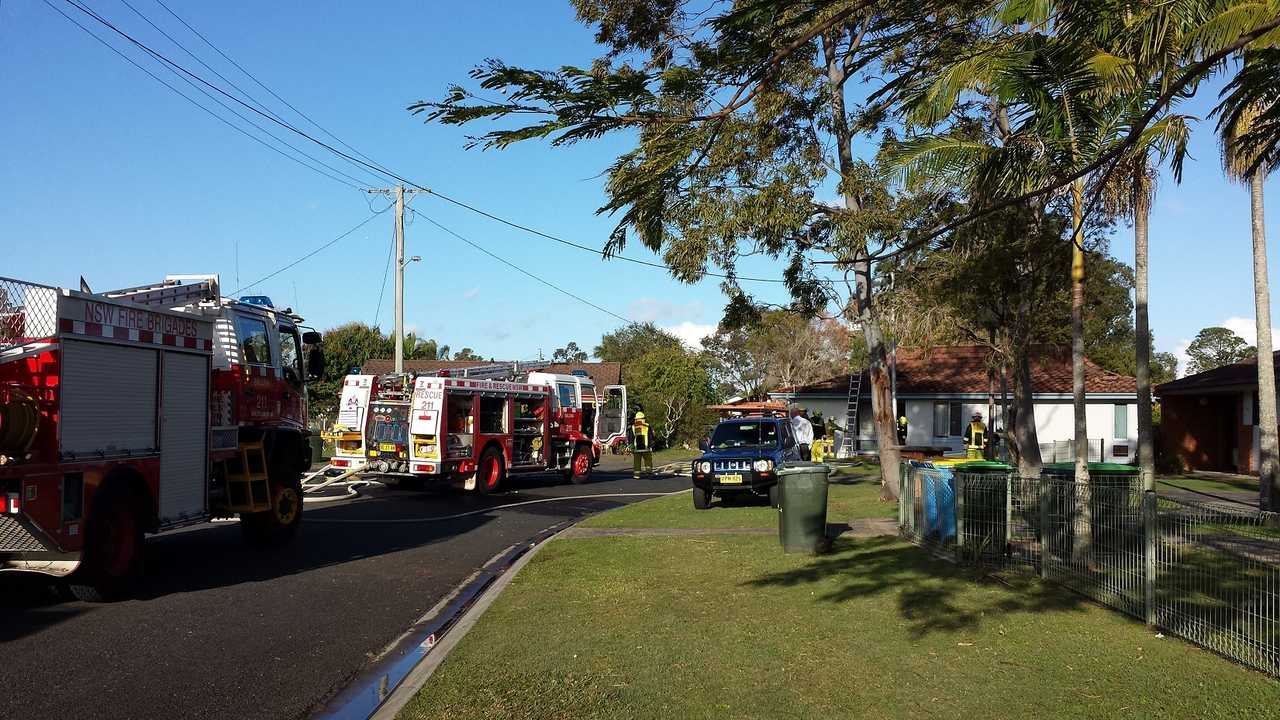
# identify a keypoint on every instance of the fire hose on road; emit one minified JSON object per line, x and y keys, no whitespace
{"x":353,"y":486}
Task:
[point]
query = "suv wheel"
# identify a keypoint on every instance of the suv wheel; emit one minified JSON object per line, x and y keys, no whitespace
{"x":701,"y":498}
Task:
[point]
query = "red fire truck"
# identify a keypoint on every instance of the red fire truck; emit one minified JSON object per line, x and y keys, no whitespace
{"x":140,"y":410}
{"x":475,"y":426}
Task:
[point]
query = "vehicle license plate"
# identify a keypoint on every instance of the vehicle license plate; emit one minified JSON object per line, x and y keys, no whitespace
{"x":733,"y":479}
{"x":387,"y":447}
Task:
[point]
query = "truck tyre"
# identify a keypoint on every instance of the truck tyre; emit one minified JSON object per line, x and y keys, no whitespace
{"x":491,"y":473}
{"x":579,"y":470}
{"x":701,"y":498}
{"x":773,"y":495}
{"x":113,"y":550}
{"x":279,"y":525}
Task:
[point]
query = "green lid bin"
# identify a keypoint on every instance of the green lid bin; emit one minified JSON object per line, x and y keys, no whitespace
{"x":1110,"y":501}
{"x":802,"y":507}
{"x":982,"y":503}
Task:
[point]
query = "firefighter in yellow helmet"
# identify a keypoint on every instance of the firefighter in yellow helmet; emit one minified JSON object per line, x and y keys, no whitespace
{"x":641,"y":447}
{"x":975,"y":438}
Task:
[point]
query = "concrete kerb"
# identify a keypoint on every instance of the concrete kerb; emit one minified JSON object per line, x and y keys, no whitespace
{"x":426,"y":667}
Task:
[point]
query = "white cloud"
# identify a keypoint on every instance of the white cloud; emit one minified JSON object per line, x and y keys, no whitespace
{"x":691,"y":333}
{"x":655,"y":310}
{"x":1180,"y":352}
{"x":471,"y":293}
{"x":1245,"y":327}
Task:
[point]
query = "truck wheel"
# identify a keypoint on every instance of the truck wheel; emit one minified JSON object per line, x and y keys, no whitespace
{"x":701,"y":498}
{"x":579,"y":470}
{"x":491,"y":473}
{"x":279,"y":525}
{"x":773,"y":496}
{"x":112,"y":562}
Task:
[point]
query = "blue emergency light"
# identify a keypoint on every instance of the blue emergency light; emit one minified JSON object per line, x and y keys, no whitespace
{"x":259,"y":300}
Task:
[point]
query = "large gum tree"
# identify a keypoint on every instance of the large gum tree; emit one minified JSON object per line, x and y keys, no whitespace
{"x":744,"y":125}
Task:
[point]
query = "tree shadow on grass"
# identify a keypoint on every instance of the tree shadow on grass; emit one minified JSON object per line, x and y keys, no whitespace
{"x":931,"y":595}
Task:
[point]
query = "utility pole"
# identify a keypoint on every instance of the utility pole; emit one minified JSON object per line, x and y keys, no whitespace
{"x":399,"y":192}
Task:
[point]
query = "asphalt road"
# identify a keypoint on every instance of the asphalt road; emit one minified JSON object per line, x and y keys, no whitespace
{"x":222,"y":631}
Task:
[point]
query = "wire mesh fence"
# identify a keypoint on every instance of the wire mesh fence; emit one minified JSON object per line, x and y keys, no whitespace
{"x":28,"y":312}
{"x":1209,"y":573}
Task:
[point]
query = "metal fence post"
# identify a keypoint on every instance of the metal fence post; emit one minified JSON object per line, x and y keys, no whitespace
{"x":903,"y":489}
{"x":958,"y":501}
{"x":1149,"y":529}
{"x":1045,"y":490}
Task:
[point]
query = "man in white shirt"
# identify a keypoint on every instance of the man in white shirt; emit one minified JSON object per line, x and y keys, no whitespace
{"x":803,"y":430}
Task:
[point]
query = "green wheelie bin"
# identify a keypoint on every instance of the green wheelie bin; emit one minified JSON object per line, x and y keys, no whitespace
{"x":982,"y":507}
{"x":1112,"y":499}
{"x":802,"y":507}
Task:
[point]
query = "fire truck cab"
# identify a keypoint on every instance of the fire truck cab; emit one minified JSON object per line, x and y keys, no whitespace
{"x":140,"y":410}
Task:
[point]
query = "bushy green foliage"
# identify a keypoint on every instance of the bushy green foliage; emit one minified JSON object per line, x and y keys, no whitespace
{"x":673,"y":386}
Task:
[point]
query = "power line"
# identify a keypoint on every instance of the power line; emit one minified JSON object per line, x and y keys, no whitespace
{"x":309,"y":255}
{"x":182,"y":70}
{"x":359,"y":183}
{"x":570,"y":243}
{"x":372,"y":166}
{"x":259,"y":83}
{"x":195,"y":102}
{"x":206,"y":65}
{"x":521,"y":270}
{"x":391,"y":251}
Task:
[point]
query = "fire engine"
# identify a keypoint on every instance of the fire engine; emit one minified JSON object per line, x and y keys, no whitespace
{"x":140,"y":410}
{"x":473,"y":427}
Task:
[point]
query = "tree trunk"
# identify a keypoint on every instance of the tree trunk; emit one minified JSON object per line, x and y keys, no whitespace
{"x":1077,"y":332}
{"x":1024,"y":416}
{"x":878,"y":371}
{"x":1005,"y":429}
{"x":1268,"y":445}
{"x":881,"y":398}
{"x":1146,"y":445}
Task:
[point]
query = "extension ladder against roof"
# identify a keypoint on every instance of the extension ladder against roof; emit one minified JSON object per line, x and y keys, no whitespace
{"x":851,"y":424}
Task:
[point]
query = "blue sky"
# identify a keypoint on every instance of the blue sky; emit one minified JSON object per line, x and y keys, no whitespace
{"x":108,"y":174}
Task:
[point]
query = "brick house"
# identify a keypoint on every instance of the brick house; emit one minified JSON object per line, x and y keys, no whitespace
{"x":1209,"y":421}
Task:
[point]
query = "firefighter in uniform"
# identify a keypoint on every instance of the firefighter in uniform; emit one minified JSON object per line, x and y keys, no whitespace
{"x":975,"y":438}
{"x":902,"y":430}
{"x":641,"y":449}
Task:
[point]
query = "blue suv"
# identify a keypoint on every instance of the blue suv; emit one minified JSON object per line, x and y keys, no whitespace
{"x":742,"y":457}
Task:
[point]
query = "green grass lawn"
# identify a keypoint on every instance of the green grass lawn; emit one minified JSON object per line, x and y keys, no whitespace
{"x":1209,"y":485}
{"x":674,"y":454}
{"x":854,"y":494}
{"x":726,"y":626}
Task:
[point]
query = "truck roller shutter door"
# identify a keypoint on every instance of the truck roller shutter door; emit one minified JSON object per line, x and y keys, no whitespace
{"x":108,"y":399}
{"x":184,"y":434}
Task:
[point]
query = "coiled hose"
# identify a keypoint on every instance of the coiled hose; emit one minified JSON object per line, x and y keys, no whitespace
{"x":19,"y":421}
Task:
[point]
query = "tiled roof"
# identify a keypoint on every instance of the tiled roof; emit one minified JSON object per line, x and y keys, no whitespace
{"x":604,"y":373}
{"x":962,"y":369}
{"x":1236,"y":374}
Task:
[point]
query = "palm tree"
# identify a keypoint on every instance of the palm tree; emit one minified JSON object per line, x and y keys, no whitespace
{"x":1242,"y":161}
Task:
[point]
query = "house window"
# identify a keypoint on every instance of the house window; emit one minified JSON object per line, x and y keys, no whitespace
{"x":946,"y":419}
{"x":1253,"y":409}
{"x":1121,"y":414}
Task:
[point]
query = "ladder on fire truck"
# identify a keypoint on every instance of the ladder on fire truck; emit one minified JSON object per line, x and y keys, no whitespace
{"x":170,"y":293}
{"x":851,"y":419}
{"x":500,"y":371}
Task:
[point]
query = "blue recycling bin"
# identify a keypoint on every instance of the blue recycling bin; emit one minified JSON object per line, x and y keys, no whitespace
{"x":938,"y":496}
